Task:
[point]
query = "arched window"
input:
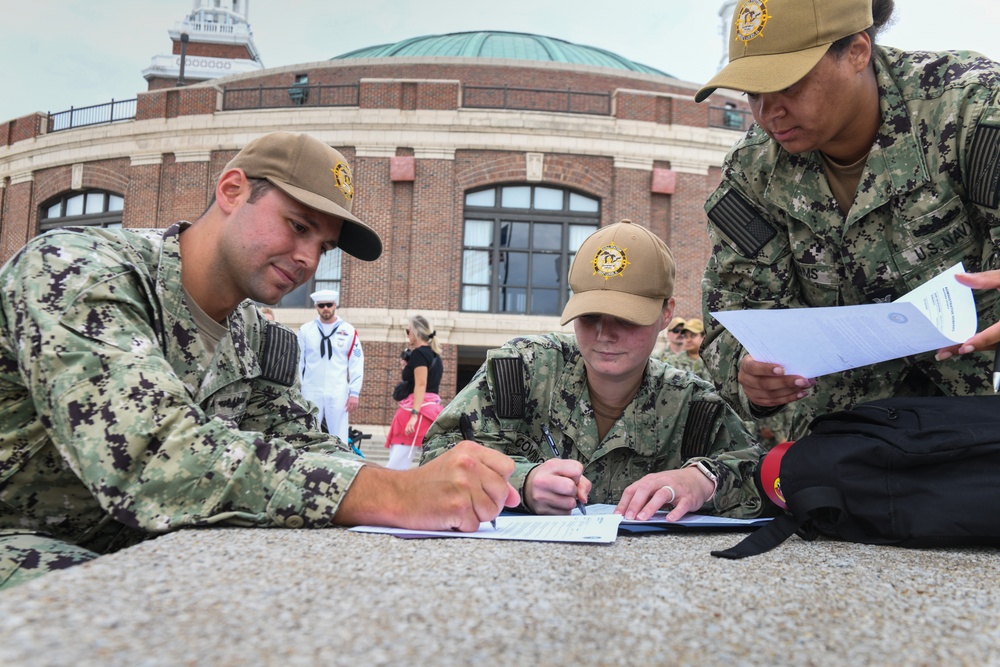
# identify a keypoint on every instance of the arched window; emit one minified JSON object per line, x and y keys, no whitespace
{"x":518,"y":243}
{"x":95,"y":208}
{"x":327,"y":277}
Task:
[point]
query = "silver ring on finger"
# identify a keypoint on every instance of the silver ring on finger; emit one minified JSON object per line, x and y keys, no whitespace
{"x":673,"y":494}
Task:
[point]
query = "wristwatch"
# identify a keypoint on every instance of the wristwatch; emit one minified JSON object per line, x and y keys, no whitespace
{"x":414,"y":411}
{"x":705,"y":470}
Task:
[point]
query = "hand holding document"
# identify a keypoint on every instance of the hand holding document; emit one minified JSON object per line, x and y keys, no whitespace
{"x":816,"y":341}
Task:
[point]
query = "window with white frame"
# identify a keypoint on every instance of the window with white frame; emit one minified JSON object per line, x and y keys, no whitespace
{"x":327,"y":277}
{"x":518,"y":244}
{"x":95,"y":208}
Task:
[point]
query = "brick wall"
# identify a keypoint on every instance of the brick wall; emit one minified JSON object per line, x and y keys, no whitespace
{"x":20,"y":129}
{"x":17,"y":218}
{"x":210,"y":50}
{"x":420,"y":220}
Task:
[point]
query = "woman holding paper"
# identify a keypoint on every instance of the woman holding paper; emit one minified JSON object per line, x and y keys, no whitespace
{"x":869,"y":171}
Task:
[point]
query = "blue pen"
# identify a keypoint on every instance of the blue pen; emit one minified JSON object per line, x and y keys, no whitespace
{"x":465,"y":424}
{"x":555,"y":452}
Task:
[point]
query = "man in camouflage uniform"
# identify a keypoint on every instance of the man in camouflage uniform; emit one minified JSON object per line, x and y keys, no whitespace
{"x":692,"y":334}
{"x":675,"y":342}
{"x":138,"y":398}
{"x":869,"y":170}
{"x":616,"y":417}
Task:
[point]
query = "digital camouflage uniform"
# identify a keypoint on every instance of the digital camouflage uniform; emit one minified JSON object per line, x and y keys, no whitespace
{"x":674,"y":418}
{"x":928,"y":199}
{"x":682,"y":361}
{"x":114,"y":428}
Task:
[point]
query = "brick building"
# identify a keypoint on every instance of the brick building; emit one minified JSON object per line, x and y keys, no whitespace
{"x":483,"y":159}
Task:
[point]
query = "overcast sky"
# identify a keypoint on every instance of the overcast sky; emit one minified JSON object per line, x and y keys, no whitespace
{"x":61,"y":53}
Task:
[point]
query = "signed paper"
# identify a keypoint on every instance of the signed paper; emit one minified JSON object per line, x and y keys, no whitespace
{"x":815,"y":341}
{"x":601,"y":529}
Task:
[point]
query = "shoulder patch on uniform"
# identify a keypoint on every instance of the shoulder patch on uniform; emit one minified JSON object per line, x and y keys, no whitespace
{"x":510,"y":393}
{"x":984,"y":167}
{"x":698,"y":429}
{"x":279,"y":354}
{"x":738,"y":220}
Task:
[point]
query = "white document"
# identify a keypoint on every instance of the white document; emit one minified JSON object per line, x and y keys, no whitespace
{"x":601,"y":529}
{"x":815,"y":341}
{"x":690,"y":520}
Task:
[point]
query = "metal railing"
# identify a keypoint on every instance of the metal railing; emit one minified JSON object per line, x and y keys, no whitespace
{"x":536,"y":99}
{"x":98,"y":114}
{"x":295,"y":95}
{"x":730,"y":118}
{"x":348,"y":95}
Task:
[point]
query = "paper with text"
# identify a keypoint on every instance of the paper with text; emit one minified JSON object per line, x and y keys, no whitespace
{"x":815,"y":341}
{"x":591,"y":529}
{"x":690,"y":520}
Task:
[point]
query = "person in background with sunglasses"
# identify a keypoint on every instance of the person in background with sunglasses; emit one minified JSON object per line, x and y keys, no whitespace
{"x":331,"y":363}
{"x":675,"y":339}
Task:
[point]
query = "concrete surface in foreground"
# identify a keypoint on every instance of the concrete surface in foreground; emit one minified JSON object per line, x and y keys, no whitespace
{"x":331,"y":597}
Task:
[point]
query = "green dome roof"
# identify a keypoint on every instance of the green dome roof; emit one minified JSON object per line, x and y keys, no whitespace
{"x":498,"y":44}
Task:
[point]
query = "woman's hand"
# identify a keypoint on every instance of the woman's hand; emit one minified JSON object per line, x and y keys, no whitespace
{"x":554,"y":487}
{"x":766,"y":384}
{"x":686,"y":490}
{"x":411,"y":424}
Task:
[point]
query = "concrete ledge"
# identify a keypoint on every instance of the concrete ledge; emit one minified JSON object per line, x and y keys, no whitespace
{"x":331,"y":597}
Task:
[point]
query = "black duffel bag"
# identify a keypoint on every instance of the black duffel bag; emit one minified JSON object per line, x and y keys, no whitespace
{"x":912,"y":472}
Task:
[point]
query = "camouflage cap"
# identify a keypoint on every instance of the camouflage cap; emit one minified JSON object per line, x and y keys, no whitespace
{"x":622,"y":270}
{"x":774,"y":43}
{"x":313,"y":174}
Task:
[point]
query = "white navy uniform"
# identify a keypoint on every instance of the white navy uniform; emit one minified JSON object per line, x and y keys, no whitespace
{"x":331,"y":368}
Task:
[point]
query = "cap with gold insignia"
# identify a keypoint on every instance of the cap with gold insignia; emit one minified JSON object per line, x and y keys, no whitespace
{"x":623,"y":270}
{"x":313,"y":174}
{"x":774,"y":43}
{"x":694,"y":325}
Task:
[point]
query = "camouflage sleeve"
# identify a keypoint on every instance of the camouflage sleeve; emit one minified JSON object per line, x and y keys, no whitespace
{"x":750,"y":267}
{"x":476,"y":400}
{"x":128,"y":426}
{"x":734,"y":458}
{"x":980,"y":159}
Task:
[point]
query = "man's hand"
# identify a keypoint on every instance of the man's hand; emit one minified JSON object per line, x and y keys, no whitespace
{"x":554,"y":487}
{"x":458,"y":490}
{"x":767,"y":385}
{"x":691,"y":490}
{"x":352,"y":403}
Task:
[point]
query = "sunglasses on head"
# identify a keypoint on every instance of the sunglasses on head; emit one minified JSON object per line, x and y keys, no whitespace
{"x":324,"y":305}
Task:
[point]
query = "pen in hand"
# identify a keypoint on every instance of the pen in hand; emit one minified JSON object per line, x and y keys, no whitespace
{"x":465,"y":424}
{"x":996,"y":369}
{"x":555,"y":452}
